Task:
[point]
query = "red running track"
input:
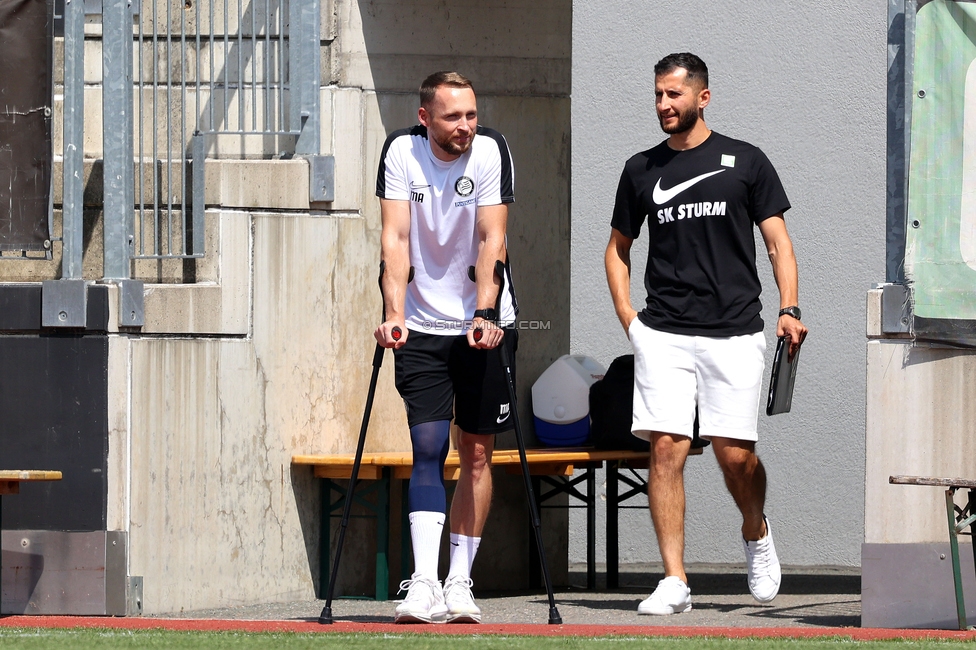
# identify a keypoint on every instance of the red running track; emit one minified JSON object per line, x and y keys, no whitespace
{"x":512,"y":629}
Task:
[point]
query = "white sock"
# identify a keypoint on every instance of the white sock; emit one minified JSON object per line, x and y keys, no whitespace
{"x":463,"y":550}
{"x":425,"y":534}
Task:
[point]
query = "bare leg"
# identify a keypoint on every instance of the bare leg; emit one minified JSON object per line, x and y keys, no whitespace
{"x":666,"y":496}
{"x":472,"y":497}
{"x":746,"y":479}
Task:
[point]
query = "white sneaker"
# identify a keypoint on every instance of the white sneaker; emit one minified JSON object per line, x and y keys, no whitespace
{"x":424,"y":602}
{"x":672,"y":596}
{"x":460,"y":602}
{"x":765,"y":573}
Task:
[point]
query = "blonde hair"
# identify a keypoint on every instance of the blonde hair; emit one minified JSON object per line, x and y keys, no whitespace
{"x":444,"y":78}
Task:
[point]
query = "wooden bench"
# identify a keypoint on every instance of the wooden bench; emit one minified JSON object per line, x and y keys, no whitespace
{"x":958,"y":519}
{"x":10,"y":480}
{"x":552,"y":472}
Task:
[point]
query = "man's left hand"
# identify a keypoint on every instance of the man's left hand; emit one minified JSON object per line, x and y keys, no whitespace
{"x":490,"y":337}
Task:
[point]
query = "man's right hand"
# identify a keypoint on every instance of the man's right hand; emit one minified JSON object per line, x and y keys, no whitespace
{"x":388,"y":338}
{"x":626,"y":319}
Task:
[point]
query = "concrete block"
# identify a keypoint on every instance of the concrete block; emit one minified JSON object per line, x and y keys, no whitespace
{"x":119,"y":432}
{"x":315,"y":300}
{"x":222,"y":307}
{"x":214,"y":520}
{"x":92,"y":122}
{"x":873,"y":321}
{"x":261,"y":184}
{"x":347,"y":134}
{"x":921,"y":421}
{"x":93,"y":61}
{"x":329,"y":20}
{"x":350,"y":63}
{"x":326,"y":117}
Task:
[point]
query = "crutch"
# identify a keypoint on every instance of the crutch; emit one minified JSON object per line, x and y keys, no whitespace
{"x":554,"y":618}
{"x":325,"y":618}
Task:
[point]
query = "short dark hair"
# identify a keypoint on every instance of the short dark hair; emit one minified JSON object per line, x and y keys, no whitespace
{"x":697,"y":70}
{"x":444,"y":78}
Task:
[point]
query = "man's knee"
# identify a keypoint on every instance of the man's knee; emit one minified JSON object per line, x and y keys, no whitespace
{"x":738,"y":460}
{"x":474,"y":452}
{"x":668,"y":453}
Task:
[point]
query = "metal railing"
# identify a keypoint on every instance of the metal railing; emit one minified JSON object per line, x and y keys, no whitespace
{"x":205,"y":69}
{"x":183,"y":80}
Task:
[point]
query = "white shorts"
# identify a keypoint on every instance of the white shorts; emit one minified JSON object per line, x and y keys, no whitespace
{"x":673,"y":373}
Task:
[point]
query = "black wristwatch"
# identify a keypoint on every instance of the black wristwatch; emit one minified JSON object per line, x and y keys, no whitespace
{"x":487,"y":314}
{"x":793,"y":311}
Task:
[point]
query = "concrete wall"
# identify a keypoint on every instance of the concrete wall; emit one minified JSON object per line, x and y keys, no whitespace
{"x":806,"y":83}
{"x":268,"y":353}
{"x":217,"y":515}
{"x":920,"y":422}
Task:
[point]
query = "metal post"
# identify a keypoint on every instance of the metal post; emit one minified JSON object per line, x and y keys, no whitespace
{"x":954,"y":550}
{"x":325,"y":536}
{"x":294,"y":66}
{"x":383,"y":536}
{"x":613,"y":503}
{"x":590,"y":528}
{"x":199,"y":207}
{"x":117,"y":110}
{"x":72,"y":213}
{"x":971,"y":510}
{"x":305,"y":75}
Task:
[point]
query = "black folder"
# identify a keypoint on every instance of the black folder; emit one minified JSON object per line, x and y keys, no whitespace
{"x":781,"y":379}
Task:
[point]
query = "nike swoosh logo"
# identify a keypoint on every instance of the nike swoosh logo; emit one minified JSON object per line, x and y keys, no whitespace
{"x":501,"y":418}
{"x":417,"y":186}
{"x":663,"y":196}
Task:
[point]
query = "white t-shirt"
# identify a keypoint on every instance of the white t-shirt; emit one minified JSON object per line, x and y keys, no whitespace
{"x":444,"y":199}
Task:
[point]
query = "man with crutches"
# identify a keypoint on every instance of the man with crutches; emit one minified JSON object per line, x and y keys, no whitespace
{"x":444,"y":189}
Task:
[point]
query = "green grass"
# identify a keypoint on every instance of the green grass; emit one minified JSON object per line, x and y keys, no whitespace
{"x":42,"y":638}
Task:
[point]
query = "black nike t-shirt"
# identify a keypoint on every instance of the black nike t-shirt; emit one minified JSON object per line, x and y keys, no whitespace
{"x":700,"y":205}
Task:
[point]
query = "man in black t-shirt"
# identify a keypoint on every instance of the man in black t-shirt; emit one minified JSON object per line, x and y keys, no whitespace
{"x":698,"y":341}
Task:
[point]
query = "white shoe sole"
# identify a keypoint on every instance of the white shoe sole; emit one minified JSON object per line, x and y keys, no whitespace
{"x":407,"y":617}
{"x":672,"y":610}
{"x":463,"y":618}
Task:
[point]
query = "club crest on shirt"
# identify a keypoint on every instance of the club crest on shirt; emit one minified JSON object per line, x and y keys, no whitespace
{"x":464,"y":186}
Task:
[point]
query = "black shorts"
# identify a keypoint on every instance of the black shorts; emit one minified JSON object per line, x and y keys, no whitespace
{"x":442,"y":377}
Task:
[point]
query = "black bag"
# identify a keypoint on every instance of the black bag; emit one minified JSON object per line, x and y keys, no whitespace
{"x":612,"y":410}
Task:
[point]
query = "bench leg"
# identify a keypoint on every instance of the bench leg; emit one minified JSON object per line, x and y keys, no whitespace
{"x":971,"y":510}
{"x":383,"y":537}
{"x":954,"y":550}
{"x":590,"y":528}
{"x":613,"y":575}
{"x":325,"y":537}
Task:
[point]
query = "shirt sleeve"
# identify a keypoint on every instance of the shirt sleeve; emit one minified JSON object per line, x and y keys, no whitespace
{"x":628,"y":213}
{"x":766,"y":196}
{"x":391,"y":178}
{"x":496,"y":183}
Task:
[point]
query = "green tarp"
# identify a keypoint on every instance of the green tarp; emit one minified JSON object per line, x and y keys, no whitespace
{"x":940,"y":256}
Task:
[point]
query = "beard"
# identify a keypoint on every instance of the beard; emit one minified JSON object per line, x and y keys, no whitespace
{"x":452,"y":147}
{"x":686,"y":121}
